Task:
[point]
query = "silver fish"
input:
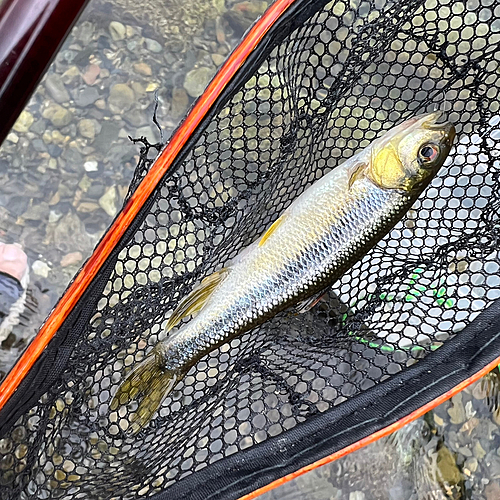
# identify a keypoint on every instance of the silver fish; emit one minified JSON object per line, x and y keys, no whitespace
{"x":326,"y":230}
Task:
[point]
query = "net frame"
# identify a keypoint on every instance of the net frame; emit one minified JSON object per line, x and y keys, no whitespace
{"x":419,"y":387}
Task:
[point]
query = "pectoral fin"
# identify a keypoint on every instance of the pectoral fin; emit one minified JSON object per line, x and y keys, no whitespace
{"x":275,"y":225}
{"x":308,"y":304}
{"x":356,"y":172}
{"x":194,"y":301}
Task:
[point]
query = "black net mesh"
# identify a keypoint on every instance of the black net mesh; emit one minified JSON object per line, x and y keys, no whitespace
{"x":350,"y":71}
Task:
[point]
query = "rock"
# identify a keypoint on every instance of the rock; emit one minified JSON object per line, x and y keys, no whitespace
{"x":39,"y":127}
{"x":91,"y":166}
{"x":54,"y":150}
{"x":197,"y":80}
{"x":38,"y":145}
{"x":100,"y":104}
{"x":121,"y":97}
{"x":69,"y":235}
{"x":71,"y":259}
{"x":13,"y":137}
{"x":218,"y":59}
{"x":117,"y":31}
{"x":357,"y":495}
{"x":84,"y":32}
{"x":152,"y":86}
{"x":47,"y":137}
{"x":87,"y":128}
{"x":54,"y":216}
{"x":40,"y":268}
{"x":138,"y":89}
{"x":147,"y":132}
{"x":56,"y":89}
{"x":180,"y":102}
{"x":85,"y":183}
{"x":492,"y":491}
{"x":58,"y":116}
{"x":493,"y":465}
{"x":70,"y":74}
{"x":243,"y":14}
{"x":471,"y":464}
{"x":87,"y":207}
{"x":108,"y":201}
{"x":457,"y":411}
{"x":143,"y":69}
{"x":448,"y":471}
{"x":23,"y":122}
{"x":91,"y":74}
{"x":85,"y":96}
{"x":37,"y":212}
{"x":107,"y":136}
{"x":153,"y":45}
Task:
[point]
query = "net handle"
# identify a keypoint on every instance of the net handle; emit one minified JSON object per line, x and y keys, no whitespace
{"x":138,"y":198}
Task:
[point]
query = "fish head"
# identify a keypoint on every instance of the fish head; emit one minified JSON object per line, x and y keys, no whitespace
{"x":410,"y":154}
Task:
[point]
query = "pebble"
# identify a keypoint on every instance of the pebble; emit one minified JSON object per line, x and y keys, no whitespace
{"x":13,"y":137}
{"x":54,"y":216}
{"x":56,"y":88}
{"x":23,"y":122}
{"x":197,"y":80}
{"x":58,"y":116}
{"x":471,"y":464}
{"x":218,"y":59}
{"x":117,"y":31}
{"x":87,"y":128}
{"x":492,"y":491}
{"x":71,"y":259}
{"x":457,"y":411}
{"x":70,"y":75}
{"x":54,"y":150}
{"x":121,"y":98}
{"x":356,"y":495}
{"x":86,"y":96}
{"x":147,"y":132}
{"x":143,"y":69}
{"x":91,"y":74}
{"x":91,"y":166}
{"x":40,"y":268}
{"x":153,"y":45}
{"x":108,"y":201}
{"x":180,"y":102}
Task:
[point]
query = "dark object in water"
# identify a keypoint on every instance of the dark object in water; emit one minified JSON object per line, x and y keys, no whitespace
{"x":31,"y":32}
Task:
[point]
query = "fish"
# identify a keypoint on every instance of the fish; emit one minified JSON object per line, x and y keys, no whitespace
{"x":320,"y":236}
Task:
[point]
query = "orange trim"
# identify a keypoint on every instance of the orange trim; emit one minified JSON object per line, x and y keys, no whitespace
{"x":376,"y":435}
{"x":137,"y":200}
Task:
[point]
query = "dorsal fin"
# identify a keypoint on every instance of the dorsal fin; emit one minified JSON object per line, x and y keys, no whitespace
{"x":277,"y":223}
{"x":197,"y":298}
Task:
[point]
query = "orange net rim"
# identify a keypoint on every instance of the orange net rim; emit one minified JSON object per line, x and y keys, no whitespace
{"x":376,"y":435}
{"x":138,"y":198}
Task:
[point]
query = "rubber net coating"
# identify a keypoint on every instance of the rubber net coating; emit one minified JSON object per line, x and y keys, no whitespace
{"x":349,"y":72}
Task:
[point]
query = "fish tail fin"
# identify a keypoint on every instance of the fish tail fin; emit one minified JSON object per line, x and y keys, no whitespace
{"x":149,"y":383}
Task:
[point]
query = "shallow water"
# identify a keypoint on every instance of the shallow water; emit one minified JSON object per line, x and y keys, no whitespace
{"x":65,"y":170}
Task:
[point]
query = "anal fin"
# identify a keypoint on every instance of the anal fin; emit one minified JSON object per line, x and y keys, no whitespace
{"x":197,"y":298}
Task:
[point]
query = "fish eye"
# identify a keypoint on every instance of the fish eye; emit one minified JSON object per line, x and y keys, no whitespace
{"x":428,"y":153}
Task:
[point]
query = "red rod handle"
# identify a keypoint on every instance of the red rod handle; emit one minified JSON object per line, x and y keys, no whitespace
{"x":31,"y":32}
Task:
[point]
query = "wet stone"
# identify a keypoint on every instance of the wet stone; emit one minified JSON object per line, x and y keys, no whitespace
{"x":197,"y":80}
{"x":108,"y":201}
{"x":91,"y":166}
{"x":86,"y":96}
{"x":24,"y":122}
{"x":40,"y":268}
{"x":153,"y":45}
{"x":56,"y":88}
{"x":54,"y":150}
{"x":492,"y":491}
{"x":180,"y":102}
{"x":117,"y":30}
{"x":457,"y":411}
{"x":87,"y":128}
{"x":149,"y":133}
{"x":71,"y":259}
{"x":91,"y":73}
{"x":108,"y":135}
{"x":121,"y":97}
{"x":58,"y":116}
{"x":143,"y":69}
